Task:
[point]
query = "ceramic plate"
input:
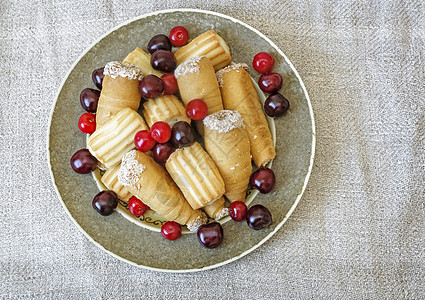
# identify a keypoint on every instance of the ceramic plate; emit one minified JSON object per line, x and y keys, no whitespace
{"x":131,"y":240}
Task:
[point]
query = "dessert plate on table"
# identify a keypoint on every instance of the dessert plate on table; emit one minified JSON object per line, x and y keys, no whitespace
{"x":137,"y":241}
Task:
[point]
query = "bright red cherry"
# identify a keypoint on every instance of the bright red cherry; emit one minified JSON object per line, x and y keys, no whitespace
{"x":161,"y":132}
{"x":179,"y":36}
{"x":137,"y":207}
{"x":197,"y":109}
{"x":170,"y":84}
{"x":263,"y":62}
{"x":143,"y":141}
{"x":263,"y":180}
{"x":87,"y":123}
{"x":237,"y":211}
{"x":270,"y":82}
{"x":171,"y":230}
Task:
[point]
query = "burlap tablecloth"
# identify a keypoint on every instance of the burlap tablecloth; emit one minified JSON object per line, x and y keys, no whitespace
{"x":358,"y":231}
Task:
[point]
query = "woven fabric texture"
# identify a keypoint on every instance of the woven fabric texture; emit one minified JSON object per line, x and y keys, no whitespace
{"x":357,"y":233}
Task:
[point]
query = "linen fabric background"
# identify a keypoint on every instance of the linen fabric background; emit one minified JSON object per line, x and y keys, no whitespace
{"x":358,"y":231}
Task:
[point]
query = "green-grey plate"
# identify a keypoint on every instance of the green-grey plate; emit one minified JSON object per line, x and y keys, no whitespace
{"x":126,"y":240}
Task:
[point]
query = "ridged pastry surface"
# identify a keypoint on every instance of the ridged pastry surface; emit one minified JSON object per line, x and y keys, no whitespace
{"x":116,"y":137}
{"x":167,"y":108}
{"x":208,"y":44}
{"x":110,"y":180}
{"x":196,"y":174}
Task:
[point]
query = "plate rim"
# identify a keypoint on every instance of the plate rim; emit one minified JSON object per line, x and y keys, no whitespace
{"x":278,"y":226}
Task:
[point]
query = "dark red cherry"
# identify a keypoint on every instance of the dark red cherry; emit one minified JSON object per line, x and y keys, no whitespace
{"x":97,"y":77}
{"x":270,"y":82}
{"x":258,"y":217}
{"x":182,"y":134}
{"x":161,"y":152}
{"x":151,"y":86}
{"x":89,"y":99}
{"x":210,"y":235}
{"x":276,"y":105}
{"x":83,"y":162}
{"x":170,"y":84}
{"x":237,"y":211}
{"x":164,"y":61}
{"x":159,"y":42}
{"x":105,"y":202}
{"x":263,"y":180}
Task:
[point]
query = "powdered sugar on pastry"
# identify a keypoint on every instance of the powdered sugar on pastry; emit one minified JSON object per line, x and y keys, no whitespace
{"x":116,"y":68}
{"x":224,"y":213}
{"x":189,"y":66}
{"x":130,"y":170}
{"x":195,"y":224}
{"x":229,"y":68}
{"x":224,"y":120}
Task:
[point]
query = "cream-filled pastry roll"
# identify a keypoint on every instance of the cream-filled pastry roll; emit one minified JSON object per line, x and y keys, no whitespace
{"x":116,"y":137}
{"x":149,"y":182}
{"x":166,"y":109}
{"x":239,"y":94}
{"x":120,"y":89}
{"x":208,"y":44}
{"x":227,"y":142}
{"x":196,"y":174}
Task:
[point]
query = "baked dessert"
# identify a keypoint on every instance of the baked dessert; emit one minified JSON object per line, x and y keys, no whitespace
{"x":196,"y":174}
{"x":120,"y":90}
{"x":216,"y":209}
{"x":196,"y":80}
{"x":193,"y":179}
{"x":208,"y":44}
{"x":143,"y":60}
{"x":116,"y":137}
{"x":227,"y":142}
{"x":110,"y":180}
{"x":239,"y":94}
{"x":166,"y":108}
{"x":149,"y":182}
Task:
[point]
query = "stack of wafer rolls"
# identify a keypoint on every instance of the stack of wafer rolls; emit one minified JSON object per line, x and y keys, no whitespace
{"x":238,"y":93}
{"x":120,"y":89}
{"x":227,"y":142}
{"x":143,"y":60}
{"x":149,"y":182}
{"x":196,"y":174}
{"x":116,"y":137}
{"x":208,"y":44}
{"x":110,"y":180}
{"x":166,"y":109}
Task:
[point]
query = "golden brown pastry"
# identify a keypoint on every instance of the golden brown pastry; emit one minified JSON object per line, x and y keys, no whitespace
{"x":143,"y":60}
{"x":209,"y":44}
{"x":227,"y":142}
{"x":196,"y":80}
{"x":197,"y":176}
{"x":120,"y":89}
{"x":116,"y":137}
{"x":164,"y":108}
{"x":239,"y":94}
{"x":216,"y":210}
{"x":149,"y":182}
{"x":110,"y":180}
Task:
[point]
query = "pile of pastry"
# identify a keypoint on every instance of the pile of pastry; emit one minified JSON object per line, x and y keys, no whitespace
{"x":161,"y":160}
